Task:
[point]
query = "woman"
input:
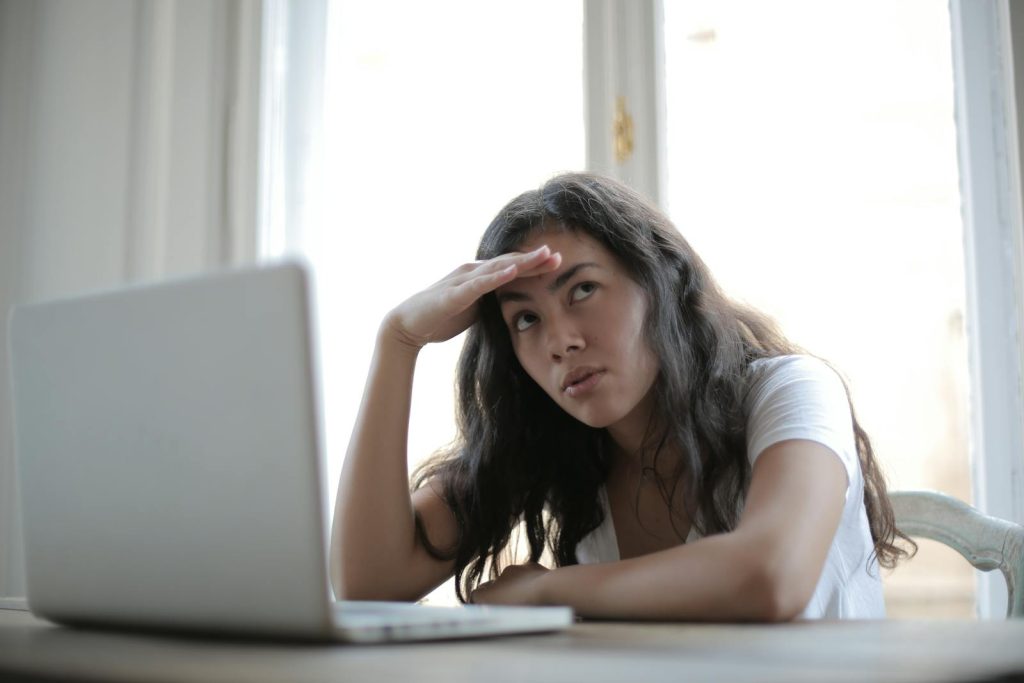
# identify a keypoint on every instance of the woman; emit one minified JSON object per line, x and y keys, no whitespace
{"x":676,"y":455}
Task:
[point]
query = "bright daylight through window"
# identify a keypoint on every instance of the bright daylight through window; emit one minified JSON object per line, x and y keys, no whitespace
{"x":820,"y":137}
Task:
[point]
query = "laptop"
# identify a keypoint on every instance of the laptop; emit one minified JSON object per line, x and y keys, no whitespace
{"x":168,"y":445}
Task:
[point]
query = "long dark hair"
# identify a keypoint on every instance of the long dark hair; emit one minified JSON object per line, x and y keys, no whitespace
{"x":519,"y":459}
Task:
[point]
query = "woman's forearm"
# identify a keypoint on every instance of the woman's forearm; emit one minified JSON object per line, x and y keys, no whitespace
{"x":374,"y":550}
{"x":718,"y":578}
{"x":373,"y":535}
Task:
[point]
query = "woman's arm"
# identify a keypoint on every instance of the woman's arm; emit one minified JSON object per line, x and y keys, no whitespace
{"x":764,"y":570}
{"x":375,"y":553}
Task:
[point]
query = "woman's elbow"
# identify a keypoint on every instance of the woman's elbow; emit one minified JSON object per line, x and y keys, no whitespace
{"x":349,"y":581}
{"x":351,"y":584}
{"x":352,"y":581}
{"x":777,"y":592}
{"x":781,"y":603}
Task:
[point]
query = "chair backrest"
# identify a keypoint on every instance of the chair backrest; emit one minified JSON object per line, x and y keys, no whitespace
{"x":986,"y":542}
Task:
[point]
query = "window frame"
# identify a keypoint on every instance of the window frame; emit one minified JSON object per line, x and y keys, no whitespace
{"x":988,"y":145}
{"x":624,"y":57}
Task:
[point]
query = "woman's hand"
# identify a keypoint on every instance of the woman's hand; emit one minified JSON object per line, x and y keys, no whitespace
{"x":448,"y":307}
{"x":518,"y":584}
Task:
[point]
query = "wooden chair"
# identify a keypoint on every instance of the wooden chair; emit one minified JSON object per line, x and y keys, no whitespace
{"x":986,"y":542}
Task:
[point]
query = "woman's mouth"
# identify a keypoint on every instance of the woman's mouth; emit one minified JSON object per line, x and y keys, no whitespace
{"x":581,"y":383}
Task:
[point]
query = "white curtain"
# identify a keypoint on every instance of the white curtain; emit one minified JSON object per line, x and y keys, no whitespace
{"x":128,"y":151}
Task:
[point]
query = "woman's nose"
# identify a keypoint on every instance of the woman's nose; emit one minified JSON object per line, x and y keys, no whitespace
{"x":564,"y":338}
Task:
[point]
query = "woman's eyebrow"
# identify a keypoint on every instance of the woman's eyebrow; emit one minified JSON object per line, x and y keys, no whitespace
{"x":568,"y":275}
{"x":553,"y":287}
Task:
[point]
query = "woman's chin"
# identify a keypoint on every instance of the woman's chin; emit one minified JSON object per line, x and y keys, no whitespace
{"x":595,"y":419}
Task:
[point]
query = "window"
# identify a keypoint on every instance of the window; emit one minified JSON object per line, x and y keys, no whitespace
{"x":812,"y":161}
{"x":825,"y":134}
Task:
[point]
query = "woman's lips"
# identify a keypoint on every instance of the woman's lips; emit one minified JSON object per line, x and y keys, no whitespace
{"x":585,"y":385}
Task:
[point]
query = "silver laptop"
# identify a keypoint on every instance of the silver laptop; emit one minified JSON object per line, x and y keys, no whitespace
{"x":169,"y":457}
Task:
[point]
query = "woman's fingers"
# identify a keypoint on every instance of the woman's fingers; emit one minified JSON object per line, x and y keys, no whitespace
{"x":522,"y":260}
{"x":546,"y":266}
{"x":525,"y":265}
{"x":466,"y":294}
{"x":538,"y":263}
{"x":447,"y":308}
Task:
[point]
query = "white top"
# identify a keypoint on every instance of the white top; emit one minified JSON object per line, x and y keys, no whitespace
{"x":800,"y":397}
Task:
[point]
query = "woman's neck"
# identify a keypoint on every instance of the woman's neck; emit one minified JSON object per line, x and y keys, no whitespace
{"x":637,"y":436}
{"x":630,"y":433}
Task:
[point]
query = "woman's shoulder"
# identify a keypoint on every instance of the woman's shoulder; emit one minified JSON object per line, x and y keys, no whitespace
{"x":796,"y":389}
{"x":798,"y":361}
{"x":767,"y":374}
{"x":799,"y":397}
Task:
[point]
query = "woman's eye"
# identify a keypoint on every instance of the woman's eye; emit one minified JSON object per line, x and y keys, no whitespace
{"x":524,"y":321}
{"x":583,"y":290}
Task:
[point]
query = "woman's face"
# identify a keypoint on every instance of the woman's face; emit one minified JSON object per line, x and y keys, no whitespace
{"x":578,"y":331}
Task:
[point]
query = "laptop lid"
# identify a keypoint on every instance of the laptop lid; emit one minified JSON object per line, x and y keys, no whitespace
{"x":168,"y":451}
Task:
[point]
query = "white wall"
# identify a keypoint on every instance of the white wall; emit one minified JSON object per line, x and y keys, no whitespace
{"x":127,"y":152}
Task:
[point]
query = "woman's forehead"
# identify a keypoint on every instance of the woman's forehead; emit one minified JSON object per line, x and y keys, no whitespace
{"x":580,"y":253}
{"x":567,"y":242}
